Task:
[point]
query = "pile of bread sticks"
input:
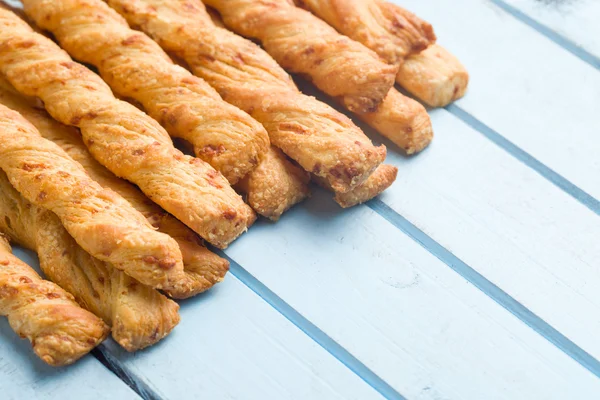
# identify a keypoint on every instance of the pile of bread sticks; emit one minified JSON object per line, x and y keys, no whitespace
{"x":91,"y":181}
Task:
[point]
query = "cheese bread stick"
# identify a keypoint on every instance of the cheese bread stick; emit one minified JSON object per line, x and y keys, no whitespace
{"x":138,"y":315}
{"x":320,"y":139}
{"x":136,"y":67}
{"x":119,"y":136}
{"x":59,"y":330}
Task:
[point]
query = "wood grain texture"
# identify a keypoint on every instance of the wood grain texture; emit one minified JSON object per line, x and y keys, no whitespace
{"x":24,"y":376}
{"x":576,"y":20}
{"x":524,"y":86}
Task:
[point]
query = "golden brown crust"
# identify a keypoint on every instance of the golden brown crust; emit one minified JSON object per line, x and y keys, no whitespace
{"x":59,"y":330}
{"x":202,"y":267}
{"x":379,"y":181}
{"x":100,"y":220}
{"x":139,"y":316}
{"x":402,"y":120}
{"x":119,"y":136}
{"x":391,"y":31}
{"x":313,"y":134}
{"x":275,"y":185}
{"x":435,"y":76}
{"x":136,"y":67}
{"x":304,"y":44}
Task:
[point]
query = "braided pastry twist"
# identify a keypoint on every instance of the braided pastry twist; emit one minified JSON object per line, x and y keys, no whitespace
{"x":137,"y":68}
{"x":139,"y":316}
{"x":202,"y":267}
{"x":119,"y":136}
{"x":320,"y":139}
{"x":59,"y":330}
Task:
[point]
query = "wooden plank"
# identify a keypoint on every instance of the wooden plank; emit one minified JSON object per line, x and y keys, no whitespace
{"x":416,"y":323}
{"x":232,"y":344}
{"x":574,"y":20}
{"x":524,"y":86}
{"x":24,"y":376}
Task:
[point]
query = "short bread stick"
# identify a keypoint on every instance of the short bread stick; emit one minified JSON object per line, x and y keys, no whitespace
{"x":202,"y":267}
{"x":100,"y":220}
{"x":136,"y":67}
{"x":399,"y":118}
{"x":121,"y":137}
{"x":138,"y":315}
{"x":320,"y":139}
{"x":59,"y":330}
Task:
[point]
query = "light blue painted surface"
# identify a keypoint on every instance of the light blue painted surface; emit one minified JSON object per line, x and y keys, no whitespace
{"x":371,"y":306}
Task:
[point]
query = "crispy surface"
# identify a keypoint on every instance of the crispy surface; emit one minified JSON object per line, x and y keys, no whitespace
{"x":320,"y":139}
{"x":202,"y":267}
{"x":59,"y":330}
{"x":304,"y":44}
{"x":136,"y":67}
{"x":391,"y":31}
{"x":138,"y":315}
{"x":119,"y":136}
{"x":402,"y":120}
{"x":434,"y":76}
{"x":380,"y":180}
{"x":100,"y":220}
{"x":275,"y":185}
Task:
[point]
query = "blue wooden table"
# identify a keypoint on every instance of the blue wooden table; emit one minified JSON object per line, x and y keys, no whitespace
{"x":476,"y":276}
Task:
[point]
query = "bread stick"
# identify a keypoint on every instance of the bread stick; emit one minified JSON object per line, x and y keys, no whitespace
{"x":304,"y":44}
{"x":275,"y":185}
{"x":136,"y":67}
{"x":138,"y":315}
{"x":435,"y":76}
{"x":379,"y":181}
{"x":391,"y":31}
{"x":119,"y":136}
{"x":399,"y":118}
{"x":320,"y":139}
{"x":202,"y":267}
{"x":100,"y":220}
{"x":59,"y":330}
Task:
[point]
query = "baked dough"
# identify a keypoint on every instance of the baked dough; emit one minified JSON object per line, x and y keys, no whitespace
{"x":121,"y":137}
{"x":59,"y":330}
{"x":202,"y":267}
{"x":391,"y":31}
{"x":138,"y":315}
{"x":304,"y":44}
{"x":435,"y":76}
{"x":137,"y":68}
{"x":320,"y":139}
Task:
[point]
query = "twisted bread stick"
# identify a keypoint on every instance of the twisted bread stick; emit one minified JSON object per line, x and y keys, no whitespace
{"x":399,"y":118}
{"x":427,"y":70}
{"x":102,"y":222}
{"x":391,"y":31}
{"x":136,"y":67}
{"x":313,"y":134}
{"x":59,"y":330}
{"x":139,"y":316}
{"x":119,"y":136}
{"x":202,"y":267}
{"x":306,"y":45}
{"x":380,"y":180}
{"x":434,"y":76}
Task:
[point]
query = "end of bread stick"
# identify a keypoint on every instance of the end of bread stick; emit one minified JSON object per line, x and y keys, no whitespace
{"x":275,"y":185}
{"x":380,"y":180}
{"x":402,"y":120}
{"x":435,"y":76}
{"x":59,"y":330}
